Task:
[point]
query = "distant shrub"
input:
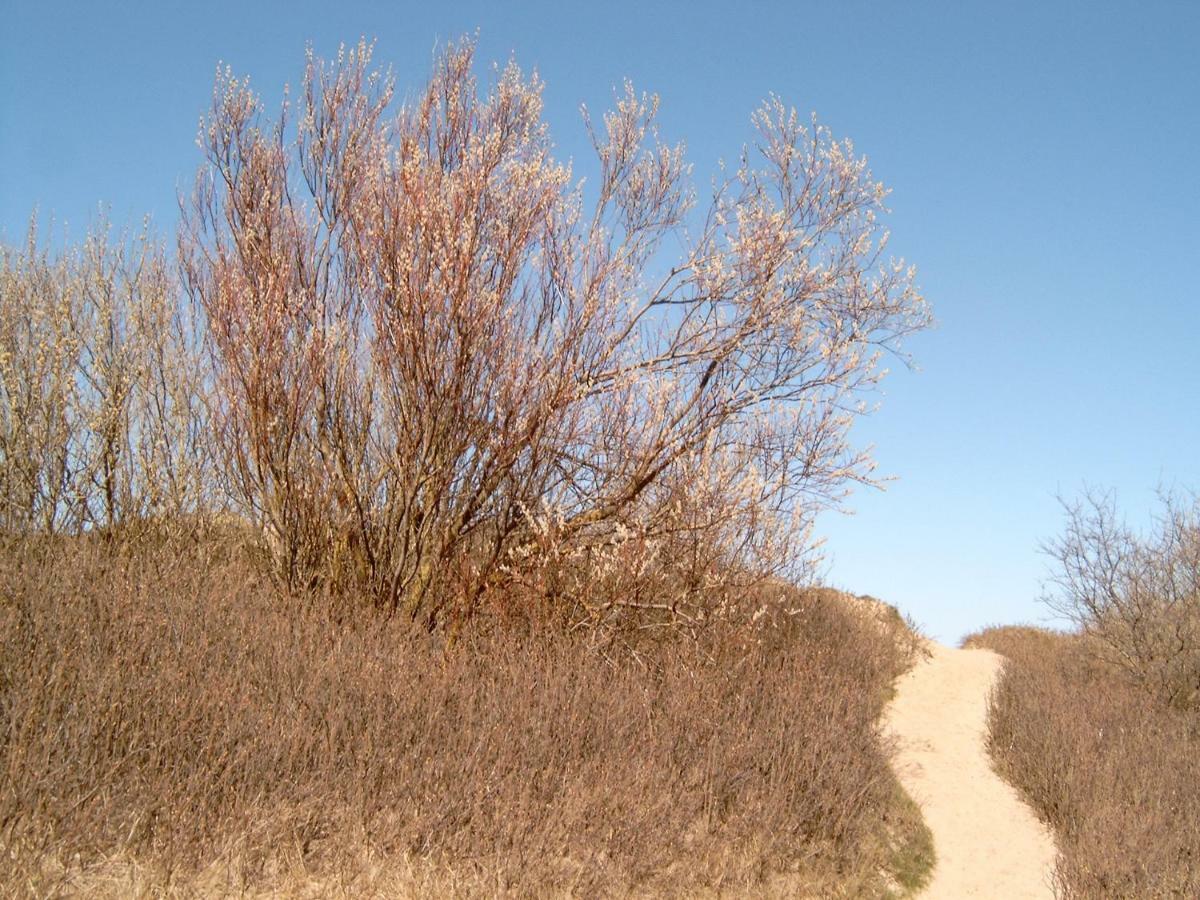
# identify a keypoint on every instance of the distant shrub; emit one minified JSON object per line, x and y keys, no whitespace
{"x":1137,"y":597}
{"x":103,"y":414}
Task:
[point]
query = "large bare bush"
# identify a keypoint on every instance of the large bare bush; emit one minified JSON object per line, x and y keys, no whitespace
{"x":445,"y":366}
{"x":101,"y":387}
{"x":1137,"y":597}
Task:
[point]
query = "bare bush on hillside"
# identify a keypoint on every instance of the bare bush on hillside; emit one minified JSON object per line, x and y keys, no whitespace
{"x":446,"y":371}
{"x":1136,"y":596}
{"x":101,"y":387}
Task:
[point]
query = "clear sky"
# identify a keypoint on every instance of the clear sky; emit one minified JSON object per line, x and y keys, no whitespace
{"x":1042,"y":156}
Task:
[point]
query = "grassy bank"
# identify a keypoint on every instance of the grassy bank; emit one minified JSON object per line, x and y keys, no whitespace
{"x":1114,"y":771}
{"x":170,"y":725}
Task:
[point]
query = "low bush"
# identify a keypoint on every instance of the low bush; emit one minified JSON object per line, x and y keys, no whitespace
{"x":1109,"y":764}
{"x":1135,"y":595}
{"x":170,"y":725}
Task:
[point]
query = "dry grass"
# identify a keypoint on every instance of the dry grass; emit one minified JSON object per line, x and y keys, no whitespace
{"x":1115,"y":771}
{"x":170,"y":726}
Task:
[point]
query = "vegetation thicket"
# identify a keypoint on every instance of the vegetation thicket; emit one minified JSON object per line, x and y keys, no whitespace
{"x":1101,"y":728}
{"x":430,"y":521}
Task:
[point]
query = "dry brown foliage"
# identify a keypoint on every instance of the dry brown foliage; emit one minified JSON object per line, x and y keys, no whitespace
{"x":169,"y":725}
{"x":1112,"y":768}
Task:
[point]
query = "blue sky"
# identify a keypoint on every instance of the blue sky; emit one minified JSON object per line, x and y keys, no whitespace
{"x":1043,"y":161}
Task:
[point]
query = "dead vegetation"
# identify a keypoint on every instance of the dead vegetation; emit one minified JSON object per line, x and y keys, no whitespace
{"x":169,"y":722}
{"x":1109,"y":765}
{"x":1101,"y":727}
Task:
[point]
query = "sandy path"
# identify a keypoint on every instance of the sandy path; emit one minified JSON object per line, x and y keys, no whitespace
{"x":988,"y":842}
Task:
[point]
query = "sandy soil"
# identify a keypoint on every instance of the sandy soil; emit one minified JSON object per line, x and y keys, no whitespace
{"x":988,"y":842}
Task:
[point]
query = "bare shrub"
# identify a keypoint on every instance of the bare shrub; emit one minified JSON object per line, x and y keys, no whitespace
{"x":1116,"y":774}
{"x":167,"y":721}
{"x":1136,"y":597}
{"x":101,"y":389}
{"x":442,"y":366}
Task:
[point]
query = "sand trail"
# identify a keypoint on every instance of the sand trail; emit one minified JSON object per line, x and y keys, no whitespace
{"x":988,"y":841}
